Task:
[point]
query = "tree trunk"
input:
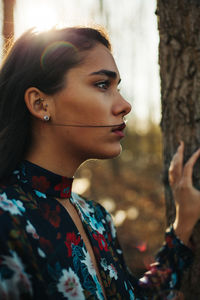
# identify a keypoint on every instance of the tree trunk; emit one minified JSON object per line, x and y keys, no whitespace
{"x":8,"y":23}
{"x":179,"y":58}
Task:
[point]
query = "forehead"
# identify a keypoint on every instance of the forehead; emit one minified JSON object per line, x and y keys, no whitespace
{"x":98,"y":58}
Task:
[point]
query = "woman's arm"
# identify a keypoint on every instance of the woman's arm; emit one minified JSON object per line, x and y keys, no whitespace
{"x":175,"y":256}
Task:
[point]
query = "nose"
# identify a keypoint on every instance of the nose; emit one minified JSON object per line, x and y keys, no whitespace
{"x":121,"y":106}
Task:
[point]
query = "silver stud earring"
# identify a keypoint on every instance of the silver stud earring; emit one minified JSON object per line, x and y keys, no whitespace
{"x":46,"y":118}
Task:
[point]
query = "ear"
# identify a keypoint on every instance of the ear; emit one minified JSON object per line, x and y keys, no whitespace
{"x":36,"y":102}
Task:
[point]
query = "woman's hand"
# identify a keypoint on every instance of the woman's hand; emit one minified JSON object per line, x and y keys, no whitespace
{"x":187,"y":198}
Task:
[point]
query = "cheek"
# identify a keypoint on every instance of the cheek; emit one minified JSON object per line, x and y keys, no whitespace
{"x":83,"y":112}
{"x":67,"y":110}
{"x":80,"y":105}
{"x":80,"y":137}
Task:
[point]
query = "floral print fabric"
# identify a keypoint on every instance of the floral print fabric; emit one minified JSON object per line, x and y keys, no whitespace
{"x":42,"y":254}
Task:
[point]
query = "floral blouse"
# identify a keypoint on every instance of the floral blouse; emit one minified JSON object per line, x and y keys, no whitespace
{"x":43,"y":256}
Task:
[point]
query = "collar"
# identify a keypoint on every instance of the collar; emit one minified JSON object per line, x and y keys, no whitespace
{"x":45,"y":181}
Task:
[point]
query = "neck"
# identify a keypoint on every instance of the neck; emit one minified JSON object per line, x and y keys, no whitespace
{"x":50,"y":152}
{"x":64,"y":165}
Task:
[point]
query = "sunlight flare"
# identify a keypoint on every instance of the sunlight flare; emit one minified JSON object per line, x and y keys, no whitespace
{"x":42,"y":17}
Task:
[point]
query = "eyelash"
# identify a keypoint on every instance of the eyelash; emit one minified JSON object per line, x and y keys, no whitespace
{"x":105,"y":82}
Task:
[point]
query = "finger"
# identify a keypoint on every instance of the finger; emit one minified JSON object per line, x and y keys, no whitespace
{"x":188,"y":169}
{"x":178,"y":156}
{"x":176,"y":166}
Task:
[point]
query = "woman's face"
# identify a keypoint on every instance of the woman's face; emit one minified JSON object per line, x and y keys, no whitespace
{"x":91,"y":97}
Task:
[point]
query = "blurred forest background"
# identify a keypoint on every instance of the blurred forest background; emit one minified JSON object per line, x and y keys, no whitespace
{"x":130,"y":186}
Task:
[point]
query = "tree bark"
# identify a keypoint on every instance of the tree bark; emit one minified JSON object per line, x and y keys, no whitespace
{"x":8,"y":23}
{"x":179,"y":58}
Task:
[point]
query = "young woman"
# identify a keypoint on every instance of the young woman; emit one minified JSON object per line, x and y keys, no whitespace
{"x":59,"y":106}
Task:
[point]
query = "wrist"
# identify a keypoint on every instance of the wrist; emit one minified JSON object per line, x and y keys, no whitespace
{"x":183,"y":232}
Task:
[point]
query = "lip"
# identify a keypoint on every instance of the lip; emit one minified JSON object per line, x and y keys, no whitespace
{"x":118,"y":129}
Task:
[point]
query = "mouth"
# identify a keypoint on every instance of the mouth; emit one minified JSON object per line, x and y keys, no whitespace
{"x":118,"y":129}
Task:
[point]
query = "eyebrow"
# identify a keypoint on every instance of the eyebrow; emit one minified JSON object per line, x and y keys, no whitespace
{"x":110,"y":74}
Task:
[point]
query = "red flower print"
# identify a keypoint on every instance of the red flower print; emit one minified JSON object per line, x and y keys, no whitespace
{"x":71,"y":239}
{"x":51,"y":215}
{"x":40,"y":183}
{"x":64,"y":187}
{"x":101,"y":241}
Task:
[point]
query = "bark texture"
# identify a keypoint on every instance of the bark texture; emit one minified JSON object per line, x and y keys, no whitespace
{"x":179,"y":58}
{"x":8,"y":23}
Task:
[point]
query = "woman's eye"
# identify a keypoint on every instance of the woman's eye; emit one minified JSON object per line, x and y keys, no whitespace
{"x":103,"y":84}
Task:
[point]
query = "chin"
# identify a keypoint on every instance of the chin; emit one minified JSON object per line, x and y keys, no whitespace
{"x":109,"y":153}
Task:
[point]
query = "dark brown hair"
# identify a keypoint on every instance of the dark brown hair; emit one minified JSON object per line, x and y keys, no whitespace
{"x":40,"y":60}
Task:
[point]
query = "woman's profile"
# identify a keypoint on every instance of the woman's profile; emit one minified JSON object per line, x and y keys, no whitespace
{"x":60,"y":106}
